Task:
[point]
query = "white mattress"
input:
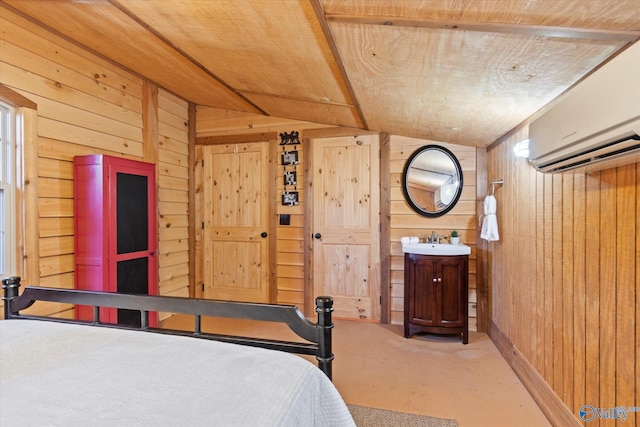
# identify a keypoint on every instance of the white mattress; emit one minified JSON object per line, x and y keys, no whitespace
{"x":75,"y":375}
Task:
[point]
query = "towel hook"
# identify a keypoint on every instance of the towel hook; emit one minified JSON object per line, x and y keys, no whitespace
{"x":494,"y":183}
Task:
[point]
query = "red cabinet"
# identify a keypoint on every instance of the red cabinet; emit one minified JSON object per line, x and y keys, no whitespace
{"x":115,"y":231}
{"x":436,"y":294}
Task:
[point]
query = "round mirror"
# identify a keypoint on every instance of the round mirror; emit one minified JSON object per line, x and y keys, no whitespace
{"x":432,"y":180}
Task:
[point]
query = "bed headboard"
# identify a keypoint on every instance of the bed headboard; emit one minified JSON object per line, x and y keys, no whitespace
{"x":318,"y":334}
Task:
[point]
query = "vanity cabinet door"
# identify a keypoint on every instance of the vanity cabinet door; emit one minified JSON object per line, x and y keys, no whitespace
{"x":451,"y":292}
{"x":422,"y":307}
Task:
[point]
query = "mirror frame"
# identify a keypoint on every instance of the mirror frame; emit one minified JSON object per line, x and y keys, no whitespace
{"x":405,"y":187}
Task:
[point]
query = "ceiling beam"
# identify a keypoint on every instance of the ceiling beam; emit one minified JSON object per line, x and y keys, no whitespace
{"x":173,"y":46}
{"x":328,"y":35}
{"x":295,"y":98}
{"x":491,"y":27}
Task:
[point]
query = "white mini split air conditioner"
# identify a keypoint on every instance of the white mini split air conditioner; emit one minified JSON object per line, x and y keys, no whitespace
{"x":596,"y":125}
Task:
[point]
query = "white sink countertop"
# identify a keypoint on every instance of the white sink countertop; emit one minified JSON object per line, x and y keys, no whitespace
{"x":436,"y":249}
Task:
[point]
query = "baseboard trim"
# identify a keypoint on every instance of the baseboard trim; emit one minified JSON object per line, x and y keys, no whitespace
{"x":551,"y":405}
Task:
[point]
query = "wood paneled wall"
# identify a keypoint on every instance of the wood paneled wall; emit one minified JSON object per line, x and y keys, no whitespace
{"x":405,"y":222}
{"x":290,"y":249}
{"x":173,"y":195}
{"x":87,"y":105}
{"x":564,"y":283}
{"x":290,"y":238}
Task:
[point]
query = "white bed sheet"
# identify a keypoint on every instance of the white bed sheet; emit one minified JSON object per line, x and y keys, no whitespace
{"x":74,"y":375}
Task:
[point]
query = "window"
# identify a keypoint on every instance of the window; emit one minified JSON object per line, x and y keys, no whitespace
{"x":7,"y":190}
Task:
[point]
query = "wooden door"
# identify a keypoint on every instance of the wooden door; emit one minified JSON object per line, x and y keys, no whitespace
{"x":346,"y":255}
{"x":236,"y":218}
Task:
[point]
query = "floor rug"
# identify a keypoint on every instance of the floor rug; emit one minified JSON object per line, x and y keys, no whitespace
{"x":374,"y":417}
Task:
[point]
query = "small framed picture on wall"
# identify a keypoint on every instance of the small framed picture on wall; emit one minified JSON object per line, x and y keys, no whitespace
{"x":290,"y":198}
{"x":289,"y":158}
{"x":290,"y":178}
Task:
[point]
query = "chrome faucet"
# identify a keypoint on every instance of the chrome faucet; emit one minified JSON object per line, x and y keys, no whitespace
{"x":435,"y":238}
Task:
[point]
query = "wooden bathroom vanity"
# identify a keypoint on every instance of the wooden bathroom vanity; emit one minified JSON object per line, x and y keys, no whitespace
{"x":436,"y":294}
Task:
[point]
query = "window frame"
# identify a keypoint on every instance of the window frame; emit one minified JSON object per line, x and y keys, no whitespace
{"x":8,"y":182}
{"x":26,"y":249}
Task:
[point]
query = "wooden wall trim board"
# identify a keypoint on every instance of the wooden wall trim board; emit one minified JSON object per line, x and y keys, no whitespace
{"x":191,"y":155}
{"x":220,"y":122}
{"x":31,"y":248}
{"x":385,"y":228}
{"x":150,"y":136}
{"x":481,"y":245}
{"x":330,"y":132}
{"x":308,"y":227}
{"x":150,"y":130}
{"x":197,"y":190}
{"x":237,"y":138}
{"x":637,"y":286}
{"x":548,"y":401}
{"x":15,"y":99}
{"x":273,"y":209}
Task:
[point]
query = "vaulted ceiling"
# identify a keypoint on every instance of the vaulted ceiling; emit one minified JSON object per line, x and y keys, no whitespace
{"x":461,"y":71}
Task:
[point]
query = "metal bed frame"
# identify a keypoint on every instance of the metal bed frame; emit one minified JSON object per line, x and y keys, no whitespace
{"x":318,"y":334}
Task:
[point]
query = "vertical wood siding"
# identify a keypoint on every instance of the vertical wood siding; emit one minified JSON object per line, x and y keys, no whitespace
{"x":86,"y":105}
{"x":564,"y":278}
{"x":405,"y":222}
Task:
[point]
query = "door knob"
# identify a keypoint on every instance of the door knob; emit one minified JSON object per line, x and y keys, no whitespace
{"x":317,"y":236}
{"x":439,"y":279}
{"x":263,"y":234}
{"x":435,"y":280}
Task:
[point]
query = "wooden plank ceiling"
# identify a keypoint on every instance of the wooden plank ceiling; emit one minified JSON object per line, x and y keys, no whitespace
{"x":464,"y":72}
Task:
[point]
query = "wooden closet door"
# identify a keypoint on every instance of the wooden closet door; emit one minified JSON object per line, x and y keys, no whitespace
{"x":236,"y":222}
{"x":346,"y":206}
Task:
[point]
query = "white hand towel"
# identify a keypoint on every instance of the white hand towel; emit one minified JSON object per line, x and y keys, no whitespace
{"x":490,"y":222}
{"x":408,"y":240}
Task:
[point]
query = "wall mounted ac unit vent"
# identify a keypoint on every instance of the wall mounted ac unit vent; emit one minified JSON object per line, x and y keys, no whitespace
{"x":596,"y":125}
